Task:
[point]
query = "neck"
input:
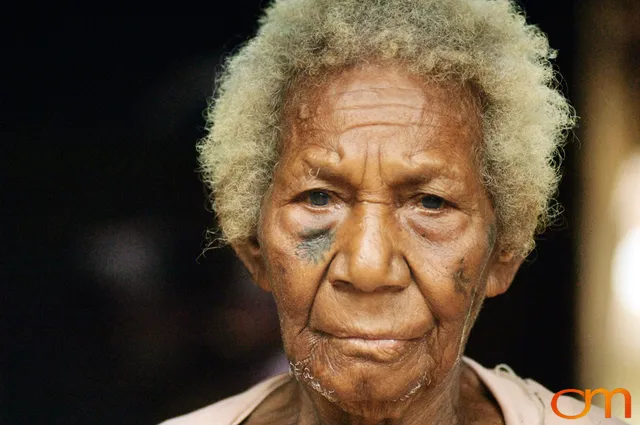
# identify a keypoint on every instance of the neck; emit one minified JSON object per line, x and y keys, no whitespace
{"x":433,"y":404}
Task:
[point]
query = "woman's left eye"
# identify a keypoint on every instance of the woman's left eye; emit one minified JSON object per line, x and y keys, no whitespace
{"x":318,"y":198}
{"x":432,"y":202}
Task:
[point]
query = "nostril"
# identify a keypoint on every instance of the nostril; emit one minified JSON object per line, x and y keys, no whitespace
{"x":346,"y":286}
{"x":343,"y":285}
{"x":389,"y":288}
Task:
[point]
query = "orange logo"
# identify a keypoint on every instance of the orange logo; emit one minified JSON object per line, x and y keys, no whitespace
{"x":588,"y":395}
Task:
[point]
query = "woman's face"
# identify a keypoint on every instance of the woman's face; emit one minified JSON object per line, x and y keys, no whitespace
{"x":377,"y":236}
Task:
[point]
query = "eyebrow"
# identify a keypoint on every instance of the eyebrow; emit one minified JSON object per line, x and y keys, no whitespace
{"x":326,"y":172}
{"x":426,"y":168}
{"x":425,"y":171}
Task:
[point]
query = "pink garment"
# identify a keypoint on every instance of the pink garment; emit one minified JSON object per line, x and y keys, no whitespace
{"x":523,"y":402}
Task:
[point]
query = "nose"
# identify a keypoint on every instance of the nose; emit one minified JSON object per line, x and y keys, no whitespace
{"x":369,"y":259}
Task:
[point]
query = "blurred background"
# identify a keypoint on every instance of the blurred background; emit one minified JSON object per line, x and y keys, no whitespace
{"x":110,"y":312}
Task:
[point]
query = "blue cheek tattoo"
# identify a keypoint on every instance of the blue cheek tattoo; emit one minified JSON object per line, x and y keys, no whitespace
{"x":460,"y":280}
{"x":316,"y":243}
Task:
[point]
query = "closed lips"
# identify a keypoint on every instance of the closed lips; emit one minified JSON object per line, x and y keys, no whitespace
{"x":370,"y":336}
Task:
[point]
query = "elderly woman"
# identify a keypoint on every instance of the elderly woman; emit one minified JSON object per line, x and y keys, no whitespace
{"x":382,"y":167}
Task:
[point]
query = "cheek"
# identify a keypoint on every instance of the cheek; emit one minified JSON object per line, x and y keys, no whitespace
{"x":449,"y":269}
{"x":295,"y":248}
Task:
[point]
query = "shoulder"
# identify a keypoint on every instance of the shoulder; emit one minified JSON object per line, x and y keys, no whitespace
{"x":232,"y":410}
{"x":526,"y":402}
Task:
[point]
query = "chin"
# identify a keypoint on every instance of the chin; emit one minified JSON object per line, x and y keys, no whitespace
{"x":362,"y":384}
{"x":372,"y":395}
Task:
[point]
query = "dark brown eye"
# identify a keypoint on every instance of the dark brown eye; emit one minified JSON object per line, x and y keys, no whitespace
{"x":318,"y":198}
{"x":432,"y":202}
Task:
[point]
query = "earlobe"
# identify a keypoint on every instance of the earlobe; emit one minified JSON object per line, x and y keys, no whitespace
{"x":250,"y":253}
{"x":502,"y":272}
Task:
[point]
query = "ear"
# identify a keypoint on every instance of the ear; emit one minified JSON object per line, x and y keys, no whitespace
{"x":250,"y":254}
{"x":501,"y":273}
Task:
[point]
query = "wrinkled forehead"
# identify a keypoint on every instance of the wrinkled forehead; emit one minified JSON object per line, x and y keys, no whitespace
{"x":382,"y":95}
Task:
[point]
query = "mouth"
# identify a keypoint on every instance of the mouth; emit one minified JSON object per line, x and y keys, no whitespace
{"x":377,"y":348}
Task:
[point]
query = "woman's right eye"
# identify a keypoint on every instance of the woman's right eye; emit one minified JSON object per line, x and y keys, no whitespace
{"x":318,"y":198}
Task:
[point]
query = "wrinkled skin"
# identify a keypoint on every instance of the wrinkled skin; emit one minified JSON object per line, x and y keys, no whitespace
{"x":378,"y":242}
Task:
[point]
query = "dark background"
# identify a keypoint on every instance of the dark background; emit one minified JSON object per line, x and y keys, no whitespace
{"x":110,"y":314}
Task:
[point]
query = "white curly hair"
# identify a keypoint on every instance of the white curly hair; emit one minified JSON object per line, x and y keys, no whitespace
{"x":486,"y":43}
